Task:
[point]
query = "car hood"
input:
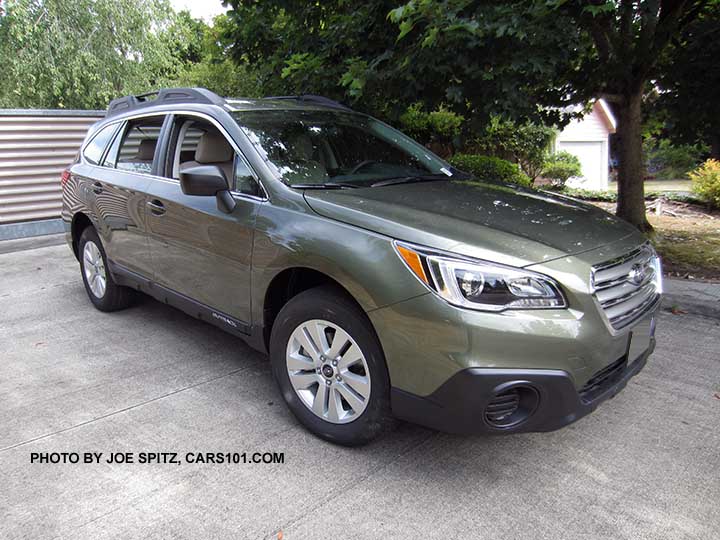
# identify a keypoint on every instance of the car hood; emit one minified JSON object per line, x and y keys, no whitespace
{"x":484,"y":220}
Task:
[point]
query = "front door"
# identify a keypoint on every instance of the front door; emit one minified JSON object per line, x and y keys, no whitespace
{"x":199,"y":251}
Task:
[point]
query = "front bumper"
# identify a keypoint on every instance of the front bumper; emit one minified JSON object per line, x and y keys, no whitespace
{"x":459,"y":405}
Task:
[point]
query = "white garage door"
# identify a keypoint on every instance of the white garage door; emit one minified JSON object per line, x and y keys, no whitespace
{"x":590,"y":155}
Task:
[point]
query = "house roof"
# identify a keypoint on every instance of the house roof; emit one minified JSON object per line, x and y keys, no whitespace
{"x":604,"y":110}
{"x":599,"y":107}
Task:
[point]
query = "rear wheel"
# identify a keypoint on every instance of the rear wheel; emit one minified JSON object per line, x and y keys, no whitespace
{"x":104,"y":293}
{"x":330,"y":367}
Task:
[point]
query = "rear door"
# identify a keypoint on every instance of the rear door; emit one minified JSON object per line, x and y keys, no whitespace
{"x":199,"y":251}
{"x":119,"y":193}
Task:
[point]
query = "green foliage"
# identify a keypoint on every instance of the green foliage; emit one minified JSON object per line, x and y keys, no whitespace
{"x":561,"y":166}
{"x":439,"y":125}
{"x":342,"y":50}
{"x":415,"y":122}
{"x":490,"y":169}
{"x":525,"y":144}
{"x":223,"y":77}
{"x":670,"y":162}
{"x":444,"y":123}
{"x":83,"y":53}
{"x":209,"y":66}
{"x":487,"y":58}
{"x":706,"y":182}
{"x":471,"y":58}
{"x":690,"y":74}
{"x":612,"y":196}
{"x":586,"y":194}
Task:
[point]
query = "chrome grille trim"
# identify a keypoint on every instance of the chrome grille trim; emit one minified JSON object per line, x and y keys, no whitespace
{"x":621,"y":299}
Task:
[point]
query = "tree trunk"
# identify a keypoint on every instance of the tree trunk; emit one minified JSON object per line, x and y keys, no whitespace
{"x":631,"y":192}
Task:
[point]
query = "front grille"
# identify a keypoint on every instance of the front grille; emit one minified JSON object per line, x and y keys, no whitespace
{"x":502,"y":406}
{"x":603,"y":379}
{"x":627,"y":288}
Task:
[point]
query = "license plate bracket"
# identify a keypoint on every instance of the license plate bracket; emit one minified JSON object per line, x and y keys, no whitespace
{"x":640,"y":338}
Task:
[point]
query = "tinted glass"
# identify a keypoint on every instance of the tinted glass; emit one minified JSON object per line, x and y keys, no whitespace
{"x":318,"y":147}
{"x":244,"y":180}
{"x":95,"y":148}
{"x":137,"y":148}
{"x":190,"y":134}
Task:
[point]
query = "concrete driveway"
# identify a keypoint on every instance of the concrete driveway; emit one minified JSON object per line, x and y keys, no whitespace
{"x":150,"y":379}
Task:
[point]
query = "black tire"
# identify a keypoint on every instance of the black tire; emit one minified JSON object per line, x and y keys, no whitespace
{"x":115,"y":297}
{"x":329,"y":304}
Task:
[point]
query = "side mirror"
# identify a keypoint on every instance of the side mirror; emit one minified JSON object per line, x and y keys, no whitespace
{"x":207,"y":181}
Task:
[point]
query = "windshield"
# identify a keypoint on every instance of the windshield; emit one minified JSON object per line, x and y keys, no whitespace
{"x":310,"y":147}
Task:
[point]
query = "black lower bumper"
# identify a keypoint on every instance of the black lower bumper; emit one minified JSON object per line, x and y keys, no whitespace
{"x":459,"y":405}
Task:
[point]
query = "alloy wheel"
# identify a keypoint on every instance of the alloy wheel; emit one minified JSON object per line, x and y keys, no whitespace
{"x":328,"y":371}
{"x":94,"y":268}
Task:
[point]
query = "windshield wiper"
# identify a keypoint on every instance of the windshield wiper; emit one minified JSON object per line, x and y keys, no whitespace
{"x":326,"y":185}
{"x":410,"y":179}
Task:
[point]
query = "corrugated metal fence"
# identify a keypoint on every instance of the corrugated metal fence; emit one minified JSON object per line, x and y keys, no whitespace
{"x":35,"y":147}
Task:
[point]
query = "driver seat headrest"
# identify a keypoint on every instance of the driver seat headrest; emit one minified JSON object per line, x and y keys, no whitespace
{"x":213,"y":148}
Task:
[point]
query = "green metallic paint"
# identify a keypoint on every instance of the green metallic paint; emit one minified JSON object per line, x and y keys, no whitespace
{"x":481,"y":220}
{"x":426,"y":340}
{"x":228,"y":261}
{"x":362,"y":262}
{"x":200,"y":251}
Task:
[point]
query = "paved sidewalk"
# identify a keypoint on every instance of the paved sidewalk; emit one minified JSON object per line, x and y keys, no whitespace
{"x":644,"y":466}
{"x":697,"y":297}
{"x":33,"y":242}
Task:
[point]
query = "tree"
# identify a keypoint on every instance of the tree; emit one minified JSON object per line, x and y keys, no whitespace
{"x":688,"y":100}
{"x":616,"y":52}
{"x":340,"y":49}
{"x":207,"y":60}
{"x":526,"y":144}
{"x":81,"y":54}
{"x":472,"y":57}
{"x":629,"y":39}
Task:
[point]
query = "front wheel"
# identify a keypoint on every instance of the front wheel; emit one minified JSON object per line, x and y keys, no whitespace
{"x":330,"y":367}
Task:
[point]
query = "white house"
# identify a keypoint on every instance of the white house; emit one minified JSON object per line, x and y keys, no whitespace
{"x":588,"y":139}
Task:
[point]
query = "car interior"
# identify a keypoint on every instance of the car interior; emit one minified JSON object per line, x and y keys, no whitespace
{"x":201,"y":143}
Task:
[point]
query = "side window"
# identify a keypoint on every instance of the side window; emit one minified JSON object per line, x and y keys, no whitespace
{"x":111,"y":155}
{"x":94,"y":149}
{"x":244,"y":180}
{"x":136,"y":148}
{"x":199,"y":142}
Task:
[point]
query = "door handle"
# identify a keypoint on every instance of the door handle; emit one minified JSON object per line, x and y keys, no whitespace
{"x":97,"y":188}
{"x":156,"y":207}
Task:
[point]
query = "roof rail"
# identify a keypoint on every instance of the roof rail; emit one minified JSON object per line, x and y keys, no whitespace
{"x":167,"y":95}
{"x":311,"y":98}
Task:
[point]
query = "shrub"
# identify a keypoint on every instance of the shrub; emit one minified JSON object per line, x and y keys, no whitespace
{"x":416,"y":122}
{"x":706,"y":182}
{"x":525,"y":144}
{"x":439,"y":125}
{"x":489,"y":169}
{"x":561,"y":166}
{"x":445,"y":124}
{"x":588,"y":194}
{"x":670,"y":162}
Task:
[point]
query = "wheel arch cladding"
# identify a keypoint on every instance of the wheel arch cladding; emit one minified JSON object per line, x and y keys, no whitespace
{"x":80,"y":222}
{"x":289,"y":283}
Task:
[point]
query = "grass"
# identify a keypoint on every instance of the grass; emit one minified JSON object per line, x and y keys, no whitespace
{"x":689,"y":246}
{"x":661,"y":186}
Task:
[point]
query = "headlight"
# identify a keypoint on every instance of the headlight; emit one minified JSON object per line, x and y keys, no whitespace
{"x":657,"y":267}
{"x":480,"y":285}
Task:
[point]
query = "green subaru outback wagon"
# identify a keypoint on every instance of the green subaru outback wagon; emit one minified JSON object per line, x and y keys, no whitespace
{"x":382,"y":281}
